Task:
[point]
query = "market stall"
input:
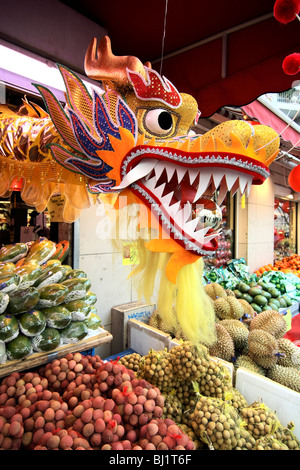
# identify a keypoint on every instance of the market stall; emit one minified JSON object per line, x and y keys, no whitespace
{"x":214,"y":357}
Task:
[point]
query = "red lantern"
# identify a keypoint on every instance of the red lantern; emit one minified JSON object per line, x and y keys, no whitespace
{"x":294,"y":179}
{"x":16,"y":184}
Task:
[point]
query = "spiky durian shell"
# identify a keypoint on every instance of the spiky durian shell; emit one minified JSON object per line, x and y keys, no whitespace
{"x":288,"y":376}
{"x":228,"y":307}
{"x":215,"y":290}
{"x":291,"y":353}
{"x":263,"y":348}
{"x":248,"y":309}
{"x":271,"y":321}
{"x":238,"y":332}
{"x":246,"y":362}
{"x":224,"y":346}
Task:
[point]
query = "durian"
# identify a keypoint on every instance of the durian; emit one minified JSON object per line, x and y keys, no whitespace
{"x":215,"y":290}
{"x":249,"y":311}
{"x":238,"y":332}
{"x":228,"y":307}
{"x":287,"y":376}
{"x":271,"y":321}
{"x":246,"y":362}
{"x":290,"y":353}
{"x":156,"y":321}
{"x":224,"y":346}
{"x":263,"y":348}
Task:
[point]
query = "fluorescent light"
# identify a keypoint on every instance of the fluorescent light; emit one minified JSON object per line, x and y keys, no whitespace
{"x":37,"y":69}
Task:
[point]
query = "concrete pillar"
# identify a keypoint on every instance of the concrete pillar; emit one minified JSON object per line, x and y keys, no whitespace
{"x":255,"y":226}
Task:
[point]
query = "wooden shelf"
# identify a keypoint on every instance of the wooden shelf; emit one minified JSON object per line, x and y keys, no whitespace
{"x":36,"y":359}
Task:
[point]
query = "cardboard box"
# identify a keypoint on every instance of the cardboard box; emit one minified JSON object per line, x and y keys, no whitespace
{"x":120,"y":315}
{"x":142,"y":337}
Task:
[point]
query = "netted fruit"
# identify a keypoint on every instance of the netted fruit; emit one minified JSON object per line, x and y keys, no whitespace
{"x":21,"y":389}
{"x":216,"y":423}
{"x":285,"y":435}
{"x":189,"y":362}
{"x":270,"y":443}
{"x":236,"y":399}
{"x":164,"y":434}
{"x":157,"y":368}
{"x":246,"y":441}
{"x":62,"y":439}
{"x":97,"y":420}
{"x":138,"y":402}
{"x":131,"y":361}
{"x":216,"y":381}
{"x":259,"y":420}
{"x":111,"y":375}
{"x":11,"y":428}
{"x":173,"y":408}
{"x":60,"y":372}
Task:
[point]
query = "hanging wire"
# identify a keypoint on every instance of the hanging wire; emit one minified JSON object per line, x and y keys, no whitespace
{"x":164,"y":35}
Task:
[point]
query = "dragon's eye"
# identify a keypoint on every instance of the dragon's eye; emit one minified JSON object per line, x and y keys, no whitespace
{"x":158,"y":121}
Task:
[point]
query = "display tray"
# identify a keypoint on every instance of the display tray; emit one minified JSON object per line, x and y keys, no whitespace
{"x":36,"y":359}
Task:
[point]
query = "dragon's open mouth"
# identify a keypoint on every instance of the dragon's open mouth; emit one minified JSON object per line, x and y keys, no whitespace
{"x":185,"y":190}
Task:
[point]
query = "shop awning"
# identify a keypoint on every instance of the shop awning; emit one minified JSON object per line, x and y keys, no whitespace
{"x":222,"y":53}
{"x":269,"y":118}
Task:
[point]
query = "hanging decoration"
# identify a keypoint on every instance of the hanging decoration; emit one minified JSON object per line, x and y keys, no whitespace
{"x":284,"y":12}
{"x":294,"y":178}
{"x":130,"y":147}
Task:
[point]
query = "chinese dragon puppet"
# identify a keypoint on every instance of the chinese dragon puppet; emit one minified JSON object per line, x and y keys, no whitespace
{"x":129,"y":145}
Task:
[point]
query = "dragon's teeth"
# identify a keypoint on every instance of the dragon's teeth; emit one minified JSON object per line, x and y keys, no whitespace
{"x":174,"y":209}
{"x":191,"y":226}
{"x":193,"y":173}
{"x":180,"y":171}
{"x":158,"y":191}
{"x":170,"y":171}
{"x":243,"y":179}
{"x":167,"y":199}
{"x":218,"y":174}
{"x":204,"y":180}
{"x":159,"y":168}
{"x":230,"y":179}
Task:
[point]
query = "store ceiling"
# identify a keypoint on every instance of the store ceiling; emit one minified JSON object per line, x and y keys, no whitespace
{"x":221,"y":52}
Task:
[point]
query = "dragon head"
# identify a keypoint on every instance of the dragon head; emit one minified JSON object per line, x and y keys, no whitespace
{"x":135,"y":140}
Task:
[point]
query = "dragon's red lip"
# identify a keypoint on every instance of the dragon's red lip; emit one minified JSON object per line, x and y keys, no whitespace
{"x":173,"y":183}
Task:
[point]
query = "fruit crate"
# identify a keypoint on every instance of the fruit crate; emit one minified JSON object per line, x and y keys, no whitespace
{"x":36,"y":359}
{"x":121,"y":315}
{"x":142,"y":337}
